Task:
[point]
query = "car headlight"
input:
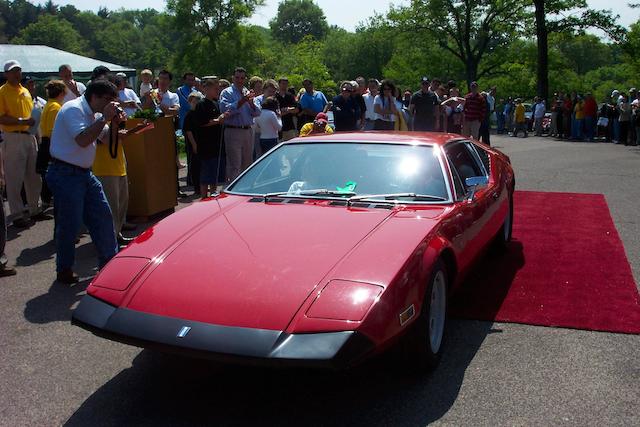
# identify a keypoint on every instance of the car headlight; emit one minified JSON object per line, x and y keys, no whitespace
{"x":120,"y":273}
{"x":344,"y":300}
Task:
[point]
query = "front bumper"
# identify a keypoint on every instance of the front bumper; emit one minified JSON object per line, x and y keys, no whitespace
{"x":226,"y":343}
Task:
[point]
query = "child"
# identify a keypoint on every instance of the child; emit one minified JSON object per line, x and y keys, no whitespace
{"x":269,"y":124}
{"x":145,"y":86}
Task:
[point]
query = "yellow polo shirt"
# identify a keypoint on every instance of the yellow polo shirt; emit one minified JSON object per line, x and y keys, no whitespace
{"x":307,"y":128}
{"x":105,"y":165}
{"x":15,"y":102}
{"x":48,"y":117}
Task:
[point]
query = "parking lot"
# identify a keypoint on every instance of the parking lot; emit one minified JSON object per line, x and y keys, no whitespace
{"x":53,"y":373}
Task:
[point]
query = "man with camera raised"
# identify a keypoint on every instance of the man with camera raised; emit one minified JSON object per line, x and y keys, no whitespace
{"x":78,"y":195}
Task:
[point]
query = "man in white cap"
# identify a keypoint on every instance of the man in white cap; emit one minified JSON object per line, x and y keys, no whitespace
{"x":20,"y":147}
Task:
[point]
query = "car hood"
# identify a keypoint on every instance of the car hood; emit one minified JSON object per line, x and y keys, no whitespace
{"x":253,"y":264}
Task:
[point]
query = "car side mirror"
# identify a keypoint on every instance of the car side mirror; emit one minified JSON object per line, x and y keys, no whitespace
{"x":474,"y":183}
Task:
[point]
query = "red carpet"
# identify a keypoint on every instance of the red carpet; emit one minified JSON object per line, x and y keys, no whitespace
{"x":566,"y":267}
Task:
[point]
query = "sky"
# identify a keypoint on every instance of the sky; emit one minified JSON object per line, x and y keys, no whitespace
{"x":334,"y":10}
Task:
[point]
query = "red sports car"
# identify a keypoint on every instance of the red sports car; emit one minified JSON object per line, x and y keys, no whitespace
{"x":327,"y":250}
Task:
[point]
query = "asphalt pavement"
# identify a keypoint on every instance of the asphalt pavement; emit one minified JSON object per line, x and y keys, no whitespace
{"x":52,"y":373}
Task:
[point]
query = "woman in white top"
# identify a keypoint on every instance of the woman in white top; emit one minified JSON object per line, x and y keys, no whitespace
{"x":385,"y":107}
{"x":269,"y":124}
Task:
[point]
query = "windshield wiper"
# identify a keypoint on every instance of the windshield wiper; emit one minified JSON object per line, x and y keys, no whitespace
{"x":392,"y":197}
{"x":314,"y":192}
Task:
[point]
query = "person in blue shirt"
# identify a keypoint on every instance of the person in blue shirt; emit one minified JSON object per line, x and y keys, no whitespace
{"x":346,"y":110}
{"x":238,"y":103}
{"x":311,"y":103}
{"x":189,"y":82}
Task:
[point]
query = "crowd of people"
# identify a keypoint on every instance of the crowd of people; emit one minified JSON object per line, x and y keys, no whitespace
{"x":65,"y":152}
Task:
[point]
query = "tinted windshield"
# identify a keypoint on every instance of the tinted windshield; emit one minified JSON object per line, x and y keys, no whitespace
{"x":352,"y":168}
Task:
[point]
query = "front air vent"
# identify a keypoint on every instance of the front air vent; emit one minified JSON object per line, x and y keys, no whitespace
{"x":256,"y":199}
{"x":295,"y":201}
{"x":338,"y":203}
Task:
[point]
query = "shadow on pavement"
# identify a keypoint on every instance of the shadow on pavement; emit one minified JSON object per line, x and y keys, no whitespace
{"x":56,"y":305}
{"x":168,"y":390}
{"x":31,"y":256}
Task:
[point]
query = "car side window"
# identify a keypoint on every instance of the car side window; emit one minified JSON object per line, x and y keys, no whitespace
{"x":464,"y":160}
{"x":457,"y":182}
{"x":484,"y":157}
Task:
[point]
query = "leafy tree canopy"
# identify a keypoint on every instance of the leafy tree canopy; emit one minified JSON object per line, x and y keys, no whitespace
{"x":297,"y":19}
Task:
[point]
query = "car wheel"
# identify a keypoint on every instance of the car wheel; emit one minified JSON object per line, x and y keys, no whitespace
{"x":425,"y":341}
{"x":504,"y":234}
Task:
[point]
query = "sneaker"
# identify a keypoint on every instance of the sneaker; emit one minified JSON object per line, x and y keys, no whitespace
{"x":67,"y":277}
{"x":7,"y":271}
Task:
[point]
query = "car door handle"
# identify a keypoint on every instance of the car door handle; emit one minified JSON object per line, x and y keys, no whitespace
{"x":495,"y":195}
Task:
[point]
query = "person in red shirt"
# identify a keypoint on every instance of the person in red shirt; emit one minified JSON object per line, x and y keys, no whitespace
{"x":590,"y":110}
{"x":474,"y":111}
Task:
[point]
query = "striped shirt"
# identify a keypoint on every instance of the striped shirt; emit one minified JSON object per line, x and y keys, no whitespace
{"x":474,"y":107}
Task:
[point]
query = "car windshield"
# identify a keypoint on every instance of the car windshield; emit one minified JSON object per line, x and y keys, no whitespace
{"x":386,"y":171}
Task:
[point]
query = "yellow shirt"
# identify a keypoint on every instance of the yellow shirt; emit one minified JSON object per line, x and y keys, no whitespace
{"x":105,"y":165}
{"x":579,"y":110}
{"x":48,"y":117}
{"x":15,"y":102}
{"x":520,"y":113}
{"x":308,"y":127}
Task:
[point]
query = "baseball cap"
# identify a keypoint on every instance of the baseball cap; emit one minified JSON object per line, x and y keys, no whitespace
{"x":121,"y":74}
{"x":11,"y":64}
{"x":322,"y":118}
{"x":425,"y":79}
{"x":615,"y":92}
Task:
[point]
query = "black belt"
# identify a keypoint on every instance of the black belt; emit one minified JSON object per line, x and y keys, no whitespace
{"x":237,"y":127}
{"x":19,"y":131}
{"x":62,"y":162}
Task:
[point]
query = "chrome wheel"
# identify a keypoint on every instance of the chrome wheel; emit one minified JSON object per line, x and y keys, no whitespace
{"x":437,"y":311}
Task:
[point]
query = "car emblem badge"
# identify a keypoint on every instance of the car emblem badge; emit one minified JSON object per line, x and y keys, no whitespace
{"x":184,"y":331}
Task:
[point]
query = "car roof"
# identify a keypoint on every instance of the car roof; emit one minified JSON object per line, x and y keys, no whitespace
{"x":420,"y":138}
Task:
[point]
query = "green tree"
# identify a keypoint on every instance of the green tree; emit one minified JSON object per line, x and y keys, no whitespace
{"x":305,"y":61}
{"x":205,"y":25}
{"x":470,"y":30}
{"x":297,"y":19}
{"x":16,"y":15}
{"x":561,"y":16}
{"x":52,"y":31}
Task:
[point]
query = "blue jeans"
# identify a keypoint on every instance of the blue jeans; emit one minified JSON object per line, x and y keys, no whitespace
{"x":589,"y":127}
{"x":78,"y":198}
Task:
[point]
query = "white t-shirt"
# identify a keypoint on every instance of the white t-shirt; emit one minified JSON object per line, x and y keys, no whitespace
{"x":145,"y":88}
{"x":269,"y":124}
{"x":72,"y":119}
{"x":36,"y":113}
{"x":125,"y":95}
{"x":68,"y":96}
{"x":541,"y":108}
{"x":369,"y":99}
{"x":388,"y":118}
{"x":169,"y":99}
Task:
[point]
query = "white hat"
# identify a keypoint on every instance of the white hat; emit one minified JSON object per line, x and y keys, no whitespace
{"x":615,"y":92}
{"x":121,"y":74}
{"x":11,"y":64}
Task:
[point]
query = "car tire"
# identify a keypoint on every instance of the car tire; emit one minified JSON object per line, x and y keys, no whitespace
{"x":424,"y":343}
{"x":505,"y":232}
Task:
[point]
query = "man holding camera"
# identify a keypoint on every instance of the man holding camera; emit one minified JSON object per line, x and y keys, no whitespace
{"x":79,"y":197}
{"x":238,"y":102}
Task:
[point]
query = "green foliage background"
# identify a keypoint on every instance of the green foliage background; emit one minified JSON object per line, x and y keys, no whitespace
{"x":189,"y":36}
